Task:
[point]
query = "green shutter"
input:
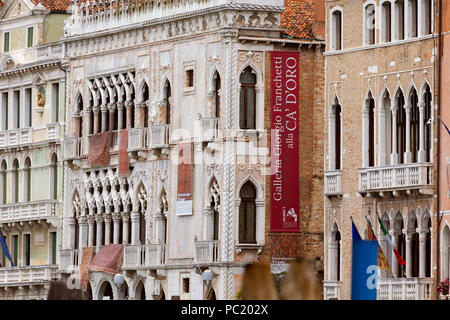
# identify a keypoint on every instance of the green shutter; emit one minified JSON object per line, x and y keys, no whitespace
{"x":6,"y":42}
{"x":30,"y":37}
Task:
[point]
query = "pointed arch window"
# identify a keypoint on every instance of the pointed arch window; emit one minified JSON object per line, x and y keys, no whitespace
{"x":247,"y":214}
{"x":217,"y":86}
{"x":79,"y":109}
{"x":414,"y":126}
{"x":247,"y":101}
{"x":15,"y":181}
{"x":167,"y":99}
{"x":413,"y":25}
{"x":401,"y":127}
{"x":370,"y":127}
{"x":427,"y":98}
{"x":145,"y":101}
{"x":4,"y":185}
{"x":335,"y":129}
{"x":27,"y":179}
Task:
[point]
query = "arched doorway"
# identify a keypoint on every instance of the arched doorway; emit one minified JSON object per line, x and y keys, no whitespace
{"x":124,"y":293}
{"x":140,"y":291}
{"x":105,"y":292}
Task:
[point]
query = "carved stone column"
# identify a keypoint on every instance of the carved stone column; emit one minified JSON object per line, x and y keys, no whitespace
{"x":91,"y":221}
{"x":408,"y":235}
{"x":365,"y":137}
{"x":96,"y":111}
{"x":120,"y":115}
{"x":135,"y":218}
{"x":128,"y":106}
{"x":112,"y":110}
{"x":104,"y":110}
{"x":82,"y":222}
{"x":125,"y":227}
{"x":394,"y":154}
{"x":71,"y":224}
{"x":108,"y":219}
{"x":209,"y":217}
{"x":407,"y":156}
{"x":99,"y":221}
{"x":260,"y":221}
{"x":422,"y":252}
{"x":422,"y":155}
{"x":116,"y":217}
{"x":333,"y":260}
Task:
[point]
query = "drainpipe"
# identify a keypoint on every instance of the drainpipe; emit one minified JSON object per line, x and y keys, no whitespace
{"x":438,"y":144}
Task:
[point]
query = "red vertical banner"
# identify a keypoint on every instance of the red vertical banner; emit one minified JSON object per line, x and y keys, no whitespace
{"x":284,"y":105}
{"x":185,"y":178}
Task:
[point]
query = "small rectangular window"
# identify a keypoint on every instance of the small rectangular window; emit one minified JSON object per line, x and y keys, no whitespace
{"x":30,"y":37}
{"x":186,"y":285}
{"x":190,"y":78}
{"x":52,"y":244}
{"x":5,"y":111}
{"x":6,"y":42}
{"x":15,"y":248}
{"x":26,"y":249}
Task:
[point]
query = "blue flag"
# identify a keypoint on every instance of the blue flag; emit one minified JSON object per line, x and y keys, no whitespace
{"x":364,"y":267}
{"x":448,"y":131}
{"x":5,"y":247}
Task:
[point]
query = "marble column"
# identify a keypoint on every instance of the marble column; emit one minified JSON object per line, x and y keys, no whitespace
{"x":408,"y":261}
{"x":91,"y":221}
{"x":422,"y":155}
{"x":140,"y":114}
{"x":96,"y":111}
{"x":125,"y":227}
{"x":365,"y":137}
{"x":104,"y":110}
{"x":108,"y":219}
{"x":112,"y":110}
{"x":128,"y":106}
{"x":82,"y":223}
{"x":394,"y":154}
{"x":135,"y":218}
{"x":116,"y":217}
{"x":99,"y":221}
{"x":333,"y":260}
{"x":422,"y":252}
{"x":120,"y":115}
{"x":407,"y":156}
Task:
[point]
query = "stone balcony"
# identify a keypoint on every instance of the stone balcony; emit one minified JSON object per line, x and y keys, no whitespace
{"x":333,"y":183}
{"x":137,"y":139}
{"x":69,"y":260}
{"x":405,"y":289}
{"x":206,"y":251}
{"x":53,"y":131}
{"x":11,"y":276}
{"x":16,"y":213}
{"x":159,"y":136}
{"x":72,"y":148}
{"x":397,"y":178}
{"x":209,"y":129}
{"x":145,"y":256}
{"x":332,"y":290}
{"x":16,"y":138}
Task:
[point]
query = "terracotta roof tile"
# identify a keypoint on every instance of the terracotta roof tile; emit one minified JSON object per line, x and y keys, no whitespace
{"x":54,"y":5}
{"x":298,"y":19}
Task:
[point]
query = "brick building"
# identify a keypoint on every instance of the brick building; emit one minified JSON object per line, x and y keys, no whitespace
{"x":381,"y":149}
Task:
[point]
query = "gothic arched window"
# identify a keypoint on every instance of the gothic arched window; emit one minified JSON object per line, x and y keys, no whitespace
{"x":247,"y":107}
{"x":247,"y":214}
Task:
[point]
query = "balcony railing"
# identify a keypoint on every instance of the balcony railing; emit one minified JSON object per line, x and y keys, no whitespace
{"x":333,"y":185}
{"x":16,"y":137}
{"x":396,"y":177}
{"x":159,"y":136}
{"x":28,"y":274}
{"x":72,"y":148}
{"x":209,"y":128}
{"x":206,"y":251}
{"x":405,"y":289}
{"x":137,"y":139}
{"x":52,"y":131}
{"x":27,"y":211}
{"x":332,"y":290}
{"x":144,"y":256}
{"x":69,"y":259}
